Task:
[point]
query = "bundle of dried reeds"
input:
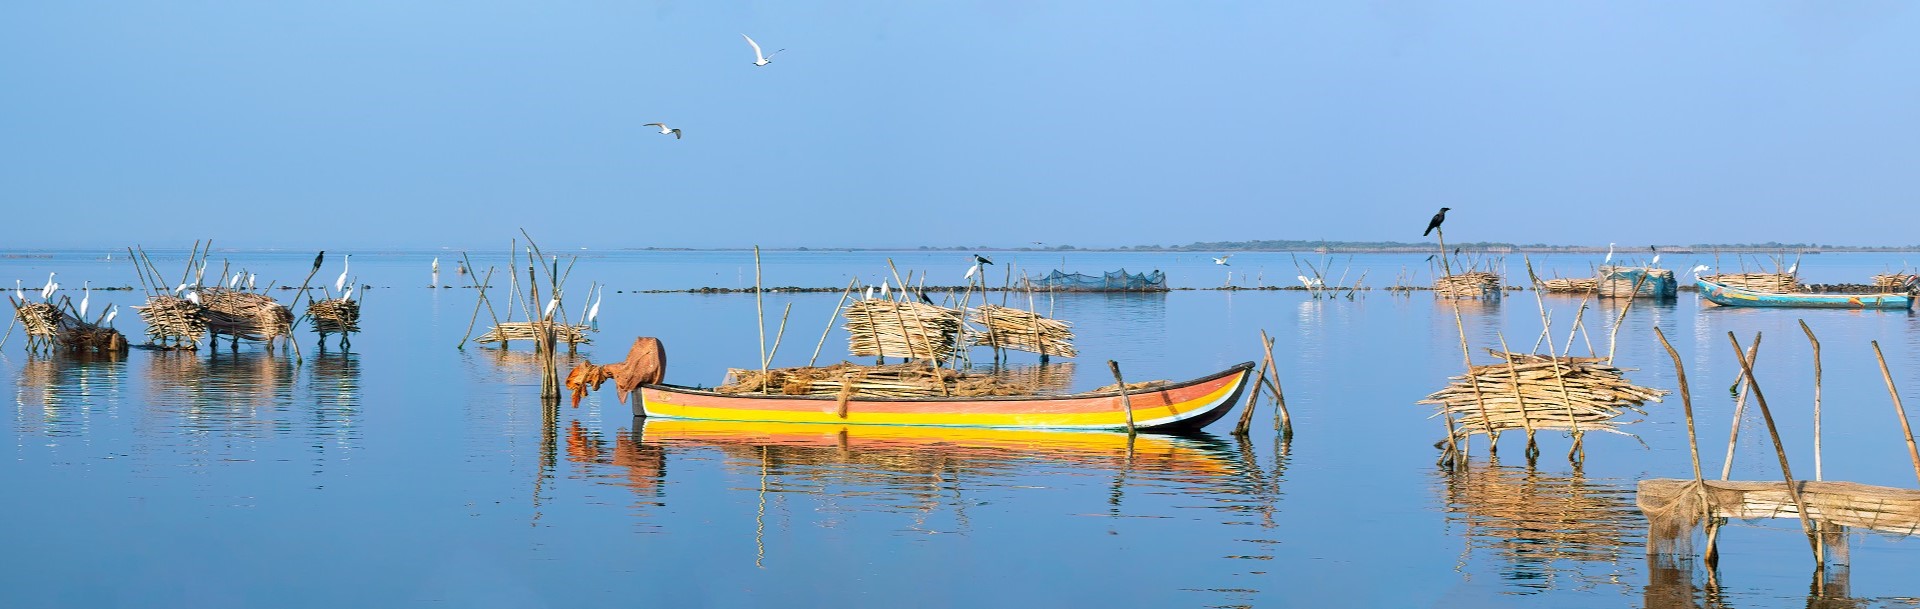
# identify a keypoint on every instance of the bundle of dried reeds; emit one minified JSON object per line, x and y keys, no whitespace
{"x":242,"y":314}
{"x":1621,"y":281}
{"x":1576,"y":285}
{"x":1472,"y":284}
{"x":1570,"y":393}
{"x":527,"y":330}
{"x":888,"y":381}
{"x":1777,"y":283}
{"x":39,"y":319}
{"x":174,"y":318}
{"x":892,"y":328}
{"x":1010,"y":328}
{"x":1897,"y":281}
{"x":81,"y":336}
{"x":335,"y":316}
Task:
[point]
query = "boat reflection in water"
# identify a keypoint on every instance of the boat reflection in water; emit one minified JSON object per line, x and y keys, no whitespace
{"x":1546,"y":526}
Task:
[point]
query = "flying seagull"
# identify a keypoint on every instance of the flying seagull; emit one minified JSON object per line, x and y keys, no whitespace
{"x":981,"y":259}
{"x":664,"y":129}
{"x":758,"y":59}
{"x":1435,"y":222}
{"x":1222,"y":260}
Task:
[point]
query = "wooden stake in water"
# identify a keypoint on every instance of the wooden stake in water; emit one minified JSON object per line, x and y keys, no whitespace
{"x":830,"y":317}
{"x":1898,"y":409}
{"x":1125,"y":401}
{"x":1284,"y":421}
{"x":1816,"y":397}
{"x":1739,"y":409}
{"x":760,"y":318}
{"x":1246,"y":414}
{"x":1780,"y":450}
{"x":1693,"y":449}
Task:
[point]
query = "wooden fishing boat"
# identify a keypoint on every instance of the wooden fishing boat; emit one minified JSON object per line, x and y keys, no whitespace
{"x":1723,"y":294}
{"x":1174,"y":407}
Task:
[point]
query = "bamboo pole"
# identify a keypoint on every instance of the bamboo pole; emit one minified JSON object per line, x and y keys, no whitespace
{"x":1739,"y":409}
{"x":1245,"y":424}
{"x":777,"y":336}
{"x":760,"y":318}
{"x":1711,"y":556}
{"x":1466,"y":355}
{"x":1284,"y":422}
{"x":1125,"y":401}
{"x":830,"y":317}
{"x":1779,"y":450}
{"x":1526,"y":419}
{"x":1898,"y":409}
{"x":476,"y":310}
{"x":1816,"y":397}
{"x":1613,"y":336}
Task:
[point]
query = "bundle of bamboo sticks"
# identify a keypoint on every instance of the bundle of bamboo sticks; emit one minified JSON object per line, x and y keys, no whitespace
{"x":892,"y":328}
{"x":1577,"y":285}
{"x":529,"y":330}
{"x":39,"y":319}
{"x":174,"y":318}
{"x":1896,"y":281}
{"x":1010,"y":328}
{"x":1472,"y":284}
{"x":909,"y":380}
{"x":82,"y":336}
{"x":1621,"y":281}
{"x":1535,"y":392}
{"x":1778,"y":283}
{"x":242,"y":314}
{"x":335,"y":316}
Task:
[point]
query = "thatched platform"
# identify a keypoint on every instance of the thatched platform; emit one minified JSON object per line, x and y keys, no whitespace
{"x":1472,"y":284}
{"x":1010,"y":328}
{"x":173,"y":320}
{"x":887,"y":381}
{"x":1572,"y":285}
{"x":241,"y":314}
{"x":527,"y":331}
{"x":891,"y":328}
{"x":1674,"y":508}
{"x":1536,"y":392}
{"x":334,"y":316}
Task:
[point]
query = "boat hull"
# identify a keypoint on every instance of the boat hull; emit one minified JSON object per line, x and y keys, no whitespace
{"x":1727,"y":295}
{"x":1177,"y":407}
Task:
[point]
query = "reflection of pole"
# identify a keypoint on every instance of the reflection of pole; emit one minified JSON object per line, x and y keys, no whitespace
{"x":760,"y":516}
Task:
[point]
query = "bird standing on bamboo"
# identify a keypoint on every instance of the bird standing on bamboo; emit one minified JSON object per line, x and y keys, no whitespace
{"x":1435,"y":222}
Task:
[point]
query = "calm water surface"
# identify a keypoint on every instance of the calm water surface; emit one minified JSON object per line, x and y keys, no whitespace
{"x":405,"y":471}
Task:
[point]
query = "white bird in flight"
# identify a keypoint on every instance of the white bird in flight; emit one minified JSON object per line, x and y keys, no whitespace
{"x":1222,"y":260}
{"x":664,"y":130}
{"x":758,"y":59}
{"x":346,"y":262}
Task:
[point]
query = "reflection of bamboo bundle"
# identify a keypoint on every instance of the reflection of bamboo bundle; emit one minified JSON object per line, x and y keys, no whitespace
{"x":1474,"y":284}
{"x":1595,"y":395}
{"x":1578,"y":285}
{"x":243,"y":314}
{"x":888,"y":381}
{"x":891,"y":328}
{"x":174,"y":318}
{"x":1010,"y":328}
{"x":525,"y":330}
{"x":335,"y":316}
{"x":1895,"y":280}
{"x":1533,"y":517}
{"x":1777,"y":283}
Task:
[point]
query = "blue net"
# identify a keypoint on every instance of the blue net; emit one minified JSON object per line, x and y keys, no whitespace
{"x":1113,"y":281}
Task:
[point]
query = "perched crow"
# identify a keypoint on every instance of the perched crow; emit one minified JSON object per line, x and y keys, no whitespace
{"x":981,"y":259}
{"x":317,"y":258}
{"x":923,"y":298}
{"x":1437,"y":219}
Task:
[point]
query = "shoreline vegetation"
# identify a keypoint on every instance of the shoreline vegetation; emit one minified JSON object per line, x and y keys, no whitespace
{"x":1346,"y":247}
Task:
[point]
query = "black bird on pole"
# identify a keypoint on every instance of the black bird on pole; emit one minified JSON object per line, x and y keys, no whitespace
{"x":1437,"y":219}
{"x":981,"y":259}
{"x":317,"y":258}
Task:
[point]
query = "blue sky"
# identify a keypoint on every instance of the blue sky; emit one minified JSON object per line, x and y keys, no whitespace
{"x":428,"y":124}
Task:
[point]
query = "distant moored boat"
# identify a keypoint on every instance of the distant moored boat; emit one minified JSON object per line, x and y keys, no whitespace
{"x":1727,"y":295}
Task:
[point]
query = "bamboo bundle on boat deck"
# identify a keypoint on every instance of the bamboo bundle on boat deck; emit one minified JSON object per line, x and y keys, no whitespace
{"x":1576,"y":285}
{"x":1776,"y":283}
{"x":1621,"y":281}
{"x":527,"y":330}
{"x":335,"y":316}
{"x":1472,"y":284}
{"x":170,"y":317}
{"x":1896,"y":281}
{"x":1010,"y":328}
{"x":910,"y":380}
{"x":892,"y":328}
{"x":249,"y":315}
{"x":1595,"y":396}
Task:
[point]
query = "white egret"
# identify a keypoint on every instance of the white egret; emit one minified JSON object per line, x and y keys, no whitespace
{"x":1697,"y":269}
{"x":250,"y":278}
{"x":1222,"y":260}
{"x":18,"y":292}
{"x":193,"y":297}
{"x":235,"y":281}
{"x":1609,"y":257}
{"x":200,"y":275}
{"x":884,"y":291}
{"x":973,"y":270}
{"x":1656,"y":260}
{"x":551,"y":303}
{"x":664,"y":130}
{"x":758,"y":59}
{"x":177,"y":290}
{"x":1304,"y":281}
{"x":1791,"y":269}
{"x":46,"y":291}
{"x":869,"y":295}
{"x":112,"y":312}
{"x":86,"y":296}
{"x":346,"y":262}
{"x":593,"y":312}
{"x":348,"y":293}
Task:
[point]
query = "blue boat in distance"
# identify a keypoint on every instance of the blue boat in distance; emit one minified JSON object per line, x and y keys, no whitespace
{"x":1726,"y":295}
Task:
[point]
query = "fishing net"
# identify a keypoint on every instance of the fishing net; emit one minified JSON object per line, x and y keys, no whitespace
{"x":1621,"y":282}
{"x":1114,"y":281}
{"x":1674,"y":508}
